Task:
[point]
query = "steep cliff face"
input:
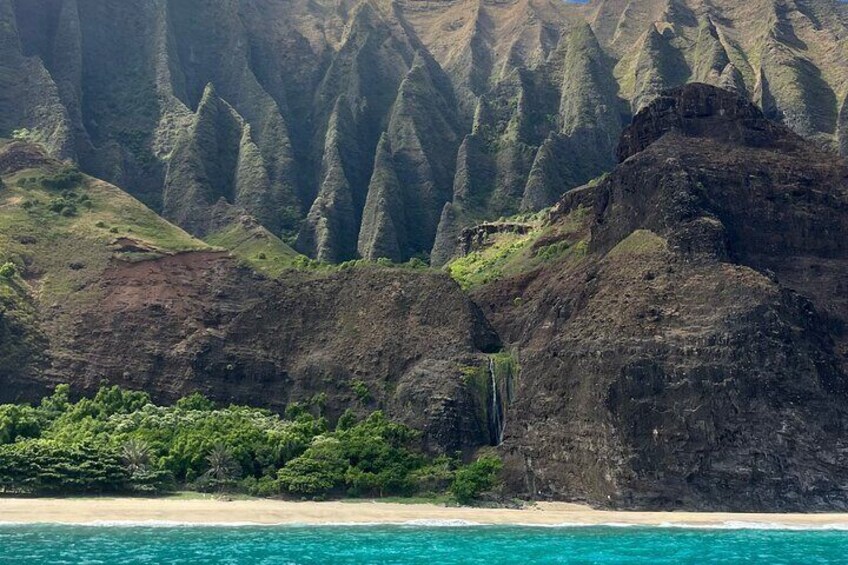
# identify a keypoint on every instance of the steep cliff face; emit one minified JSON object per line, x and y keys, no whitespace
{"x":216,"y":162}
{"x":490,"y":107}
{"x":30,"y":98}
{"x":695,"y":354}
{"x":103,"y":288}
{"x":671,"y":335}
{"x":843,"y":129}
{"x":404,"y":335}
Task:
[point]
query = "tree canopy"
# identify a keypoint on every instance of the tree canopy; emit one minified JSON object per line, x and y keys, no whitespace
{"x":120,"y":441}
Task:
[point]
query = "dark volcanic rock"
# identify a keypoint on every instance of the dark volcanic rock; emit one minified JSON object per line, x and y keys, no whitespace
{"x":696,"y":357}
{"x":843,"y":128}
{"x":699,"y":110}
{"x":195,"y":321}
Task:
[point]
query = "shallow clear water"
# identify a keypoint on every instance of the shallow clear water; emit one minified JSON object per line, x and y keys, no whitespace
{"x":416,"y":544}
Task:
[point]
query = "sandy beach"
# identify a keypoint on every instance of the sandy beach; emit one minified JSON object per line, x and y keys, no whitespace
{"x":270,"y":512}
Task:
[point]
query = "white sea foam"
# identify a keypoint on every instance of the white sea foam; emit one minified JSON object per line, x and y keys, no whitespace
{"x":425,"y":523}
{"x":727,"y":525}
{"x":745,"y":525}
{"x":565,"y":525}
{"x":435,"y":523}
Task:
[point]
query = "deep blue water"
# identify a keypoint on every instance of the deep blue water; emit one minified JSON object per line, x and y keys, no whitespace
{"x":416,"y":545}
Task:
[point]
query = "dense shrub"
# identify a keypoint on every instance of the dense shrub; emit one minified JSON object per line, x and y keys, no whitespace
{"x":119,"y":441}
{"x":19,"y":422}
{"x":66,"y":178}
{"x":320,"y":470}
{"x":63,"y":206}
{"x":475,"y":479}
{"x":8,"y":270}
{"x":50,"y":466}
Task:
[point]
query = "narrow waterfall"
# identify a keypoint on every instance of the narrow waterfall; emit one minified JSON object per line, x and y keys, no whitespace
{"x":497,"y":419}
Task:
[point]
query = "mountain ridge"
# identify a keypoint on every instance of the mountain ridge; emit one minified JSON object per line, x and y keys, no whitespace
{"x":510,"y":83}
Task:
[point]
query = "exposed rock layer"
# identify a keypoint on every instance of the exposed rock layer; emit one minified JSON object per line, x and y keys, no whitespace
{"x":404,"y":335}
{"x":696,"y":356}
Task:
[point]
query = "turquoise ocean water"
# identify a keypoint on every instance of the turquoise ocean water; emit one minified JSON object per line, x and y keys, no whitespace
{"x":488,"y":545}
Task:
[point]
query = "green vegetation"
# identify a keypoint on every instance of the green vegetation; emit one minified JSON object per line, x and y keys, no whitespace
{"x":53,"y":218}
{"x":476,"y":478}
{"x":360,"y":389}
{"x":31,"y":136}
{"x":269,"y":255}
{"x":257,"y":247}
{"x":21,"y":342}
{"x":65,"y":217}
{"x":66,"y":178}
{"x":485,"y":266}
{"x":640,"y":242}
{"x":505,"y":366}
{"x":120,"y":442}
{"x":8,"y":270}
{"x":508,"y":253}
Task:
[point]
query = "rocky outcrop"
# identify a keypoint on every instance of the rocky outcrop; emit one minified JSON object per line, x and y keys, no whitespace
{"x":414,"y":170}
{"x":711,"y":56}
{"x":447,"y":236}
{"x":424,"y":133}
{"x":591,"y":119}
{"x":658,"y":66}
{"x":203,"y":164}
{"x":356,"y":95}
{"x":216,"y":162}
{"x":199,"y":49}
{"x":196,"y":321}
{"x":696,"y":356}
{"x":699,"y":110}
{"x":329,"y":232}
{"x":383,"y":231}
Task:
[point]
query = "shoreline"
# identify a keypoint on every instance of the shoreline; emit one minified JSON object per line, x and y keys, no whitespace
{"x":262,"y":512}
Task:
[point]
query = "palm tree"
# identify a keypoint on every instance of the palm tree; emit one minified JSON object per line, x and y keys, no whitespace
{"x":222,"y":467}
{"x":136,"y":456}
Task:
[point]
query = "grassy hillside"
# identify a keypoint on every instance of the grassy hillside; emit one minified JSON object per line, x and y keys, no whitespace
{"x":61,"y":228}
{"x":256,"y":246}
{"x":506,"y":253}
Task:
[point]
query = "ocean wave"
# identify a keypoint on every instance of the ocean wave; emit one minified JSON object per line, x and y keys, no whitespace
{"x":428,"y":523}
{"x":422,"y":523}
{"x":439,"y":523}
{"x":726,"y":525}
{"x":745,"y":525}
